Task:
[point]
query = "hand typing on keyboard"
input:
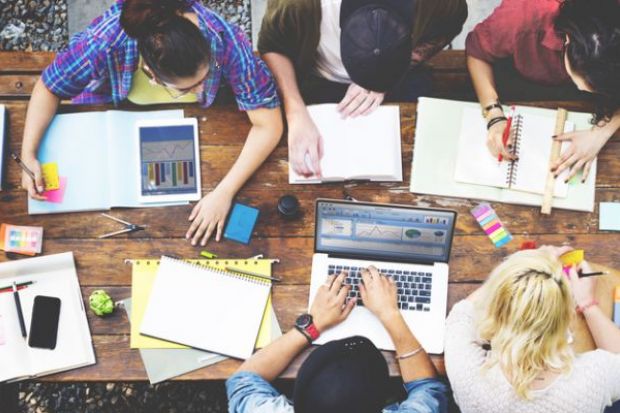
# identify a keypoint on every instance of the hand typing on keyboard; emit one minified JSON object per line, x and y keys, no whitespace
{"x":379,"y":294}
{"x":413,"y":286}
{"x":329,"y":307}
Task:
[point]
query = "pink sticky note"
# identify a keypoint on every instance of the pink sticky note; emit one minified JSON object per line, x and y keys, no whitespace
{"x":58,"y":195}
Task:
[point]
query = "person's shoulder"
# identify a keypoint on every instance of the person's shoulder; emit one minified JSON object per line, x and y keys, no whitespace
{"x":530,"y":14}
{"x":106,"y":30}
{"x":299,"y":8}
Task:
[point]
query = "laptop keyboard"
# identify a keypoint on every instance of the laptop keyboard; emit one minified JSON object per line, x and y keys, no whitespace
{"x":414,"y":287}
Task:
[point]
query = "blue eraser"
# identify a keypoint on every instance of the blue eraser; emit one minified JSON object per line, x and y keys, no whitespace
{"x":241,"y":223}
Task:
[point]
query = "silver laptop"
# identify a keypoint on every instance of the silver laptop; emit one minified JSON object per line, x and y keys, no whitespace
{"x":411,"y":245}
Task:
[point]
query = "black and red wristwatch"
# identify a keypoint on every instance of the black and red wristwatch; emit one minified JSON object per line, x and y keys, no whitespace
{"x":305,"y":325}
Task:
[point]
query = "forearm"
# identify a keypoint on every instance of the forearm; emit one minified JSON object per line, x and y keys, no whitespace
{"x":423,"y":52}
{"x":415,"y":367}
{"x":261,"y":141}
{"x":605,"y":333}
{"x":271,"y":361}
{"x":286,"y":79}
{"x":483,"y":79}
{"x":41,"y":110}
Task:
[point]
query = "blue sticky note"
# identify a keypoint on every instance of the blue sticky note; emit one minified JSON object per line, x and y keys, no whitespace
{"x":609,"y":216}
{"x":241,"y":223}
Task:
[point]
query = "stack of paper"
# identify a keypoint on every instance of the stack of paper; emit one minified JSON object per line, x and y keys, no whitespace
{"x":164,"y":359}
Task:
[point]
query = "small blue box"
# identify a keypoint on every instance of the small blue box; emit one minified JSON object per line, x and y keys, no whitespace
{"x":241,"y":223}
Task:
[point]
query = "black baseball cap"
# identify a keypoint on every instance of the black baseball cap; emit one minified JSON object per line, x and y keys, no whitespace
{"x":375,"y":41}
{"x":343,"y":376}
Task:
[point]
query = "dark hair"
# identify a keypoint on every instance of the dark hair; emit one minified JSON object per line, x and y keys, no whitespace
{"x":171,"y":45}
{"x":593,"y":51}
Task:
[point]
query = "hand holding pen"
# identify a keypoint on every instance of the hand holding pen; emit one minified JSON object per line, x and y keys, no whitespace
{"x":32,"y":178}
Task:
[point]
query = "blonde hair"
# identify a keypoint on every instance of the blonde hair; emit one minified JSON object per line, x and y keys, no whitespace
{"x":526,"y":312}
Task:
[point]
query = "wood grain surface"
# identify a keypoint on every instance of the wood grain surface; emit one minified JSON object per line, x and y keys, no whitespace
{"x":223,"y":130}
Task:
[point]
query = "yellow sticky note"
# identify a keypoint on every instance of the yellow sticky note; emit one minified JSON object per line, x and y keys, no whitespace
{"x":573,"y":257}
{"x":50,"y":176}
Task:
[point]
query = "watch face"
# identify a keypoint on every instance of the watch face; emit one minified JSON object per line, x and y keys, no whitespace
{"x":303,"y":321}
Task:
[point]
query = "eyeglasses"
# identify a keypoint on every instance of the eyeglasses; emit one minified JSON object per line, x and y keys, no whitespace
{"x":175,"y":93}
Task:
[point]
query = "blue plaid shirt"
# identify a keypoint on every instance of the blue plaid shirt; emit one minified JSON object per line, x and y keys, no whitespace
{"x":98,"y":66}
{"x":250,"y":393}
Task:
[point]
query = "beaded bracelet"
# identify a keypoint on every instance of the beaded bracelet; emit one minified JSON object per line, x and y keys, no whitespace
{"x":496,"y":120}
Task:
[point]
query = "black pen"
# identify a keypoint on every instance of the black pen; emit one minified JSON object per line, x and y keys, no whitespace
{"x":20,"y":314}
{"x":591,"y":274}
{"x":25,"y":169}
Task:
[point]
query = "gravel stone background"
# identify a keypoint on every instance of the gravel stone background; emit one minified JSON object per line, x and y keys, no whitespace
{"x":41,"y":25}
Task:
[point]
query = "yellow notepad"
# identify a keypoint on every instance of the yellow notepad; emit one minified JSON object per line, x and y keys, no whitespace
{"x":143,"y":275}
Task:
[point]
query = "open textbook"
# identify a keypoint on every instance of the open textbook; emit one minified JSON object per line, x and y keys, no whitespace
{"x":363,"y":148}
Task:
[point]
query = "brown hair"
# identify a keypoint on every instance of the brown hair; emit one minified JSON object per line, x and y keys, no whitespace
{"x":171,"y":45}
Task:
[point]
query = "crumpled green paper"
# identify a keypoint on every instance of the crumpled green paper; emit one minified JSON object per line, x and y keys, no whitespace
{"x":101,"y":303}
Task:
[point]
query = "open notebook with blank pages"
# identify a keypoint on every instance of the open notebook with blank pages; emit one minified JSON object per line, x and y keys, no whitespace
{"x":435,"y":154}
{"x":55,"y":276}
{"x":206,"y":308}
{"x":364,"y":148}
{"x":531,"y":135}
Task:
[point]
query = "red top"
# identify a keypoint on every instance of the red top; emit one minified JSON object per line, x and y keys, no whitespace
{"x":523,"y":30}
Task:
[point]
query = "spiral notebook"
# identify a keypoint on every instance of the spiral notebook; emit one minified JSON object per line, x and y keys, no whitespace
{"x":531,"y":135}
{"x":206,"y":308}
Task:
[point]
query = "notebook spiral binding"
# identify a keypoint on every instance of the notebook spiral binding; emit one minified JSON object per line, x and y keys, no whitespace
{"x":515,"y":137}
{"x":202,"y":265}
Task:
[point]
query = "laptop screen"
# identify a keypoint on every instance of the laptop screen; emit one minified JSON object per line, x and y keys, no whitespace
{"x":384,"y":232}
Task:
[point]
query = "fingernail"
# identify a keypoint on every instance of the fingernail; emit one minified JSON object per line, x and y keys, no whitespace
{"x":555,"y":175}
{"x":509,"y":146}
{"x":583,"y":181}
{"x":554,"y":136}
{"x":566,"y":181}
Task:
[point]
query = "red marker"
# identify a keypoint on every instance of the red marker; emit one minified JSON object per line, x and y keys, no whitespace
{"x":506,"y":134}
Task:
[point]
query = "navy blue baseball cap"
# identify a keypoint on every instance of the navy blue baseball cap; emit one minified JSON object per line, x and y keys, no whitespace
{"x":343,"y":376}
{"x":375,"y":41}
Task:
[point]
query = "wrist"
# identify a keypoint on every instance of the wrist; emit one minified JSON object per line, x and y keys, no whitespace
{"x":389,"y":315}
{"x":494,"y":113}
{"x":28,"y":155}
{"x":586,"y":305}
{"x":225,"y":190}
{"x":295,"y":111}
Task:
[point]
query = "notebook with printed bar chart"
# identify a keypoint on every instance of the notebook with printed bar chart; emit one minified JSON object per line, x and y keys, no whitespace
{"x":98,"y":161}
{"x":450,"y":156}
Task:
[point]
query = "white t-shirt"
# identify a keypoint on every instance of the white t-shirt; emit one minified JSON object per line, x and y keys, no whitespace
{"x":593,"y":383}
{"x":329,"y":63}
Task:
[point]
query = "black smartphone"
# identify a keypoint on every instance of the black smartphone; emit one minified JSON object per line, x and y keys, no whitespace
{"x":44,"y":322}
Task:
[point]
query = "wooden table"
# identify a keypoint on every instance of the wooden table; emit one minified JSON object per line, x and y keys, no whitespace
{"x":100,"y":263}
{"x":223,"y":130}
